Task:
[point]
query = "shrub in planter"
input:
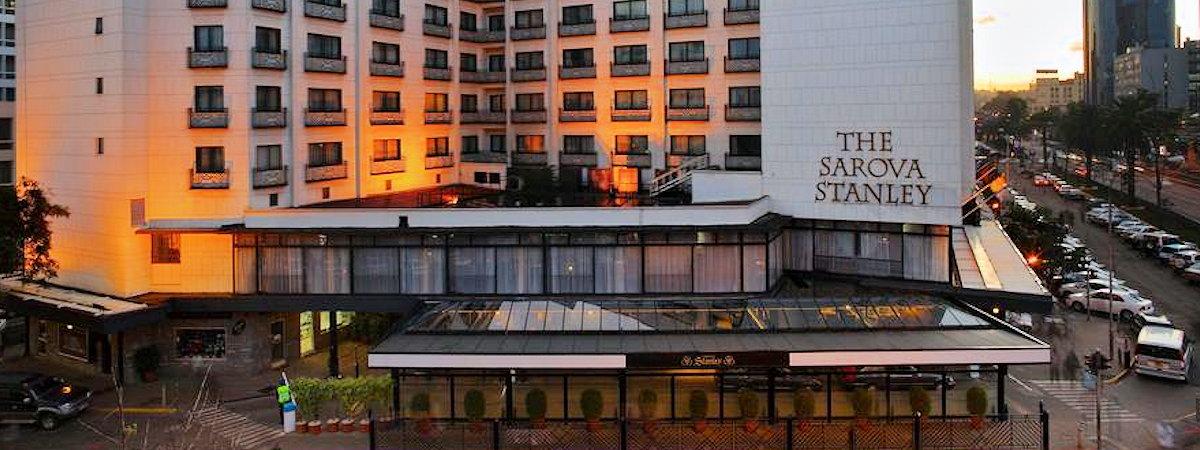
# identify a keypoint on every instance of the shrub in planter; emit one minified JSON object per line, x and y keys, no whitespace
{"x":863,"y":401}
{"x":310,"y":394}
{"x":804,"y":404}
{"x":352,"y":395}
{"x":977,"y":405}
{"x":475,"y":406}
{"x":749,"y":405}
{"x":535,"y":407}
{"x":919,"y":401}
{"x":591,"y":401}
{"x":698,"y":410}
{"x":146,"y":361}
{"x":419,"y":406}
{"x":647,"y":408}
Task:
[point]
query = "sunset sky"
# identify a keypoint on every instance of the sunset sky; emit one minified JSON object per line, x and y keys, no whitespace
{"x":1013,"y":38}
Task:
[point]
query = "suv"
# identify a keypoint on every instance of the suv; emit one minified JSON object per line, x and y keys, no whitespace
{"x":40,"y":399}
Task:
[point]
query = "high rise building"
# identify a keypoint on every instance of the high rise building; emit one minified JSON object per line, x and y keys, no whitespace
{"x":8,"y":88}
{"x":1159,"y":71}
{"x":1048,"y":91}
{"x":1112,"y":27}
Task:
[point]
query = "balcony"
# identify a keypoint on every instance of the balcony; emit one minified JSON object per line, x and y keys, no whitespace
{"x":439,"y":161}
{"x":576,"y":115}
{"x":640,"y":160}
{"x":384,"y":69}
{"x":481,"y":36}
{"x":439,"y":117}
{"x":742,"y":65}
{"x":323,"y":11}
{"x":524,"y":75}
{"x":525,"y":34}
{"x":324,"y":118}
{"x":631,"y":115}
{"x":269,"y":60}
{"x":270,"y":5}
{"x":576,"y":29}
{"x":630,"y":70}
{"x":210,"y":179}
{"x":485,"y":157}
{"x":384,"y":166}
{"x":208,"y":58}
{"x":698,"y":114}
{"x":697,"y":20}
{"x":528,"y":116}
{"x":314,"y":174}
{"x":752,"y":163}
{"x":269,"y":177}
{"x":217,"y":118}
{"x":437,"y":29}
{"x":437,"y":73}
{"x":628,"y":25}
{"x":380,"y":20}
{"x":480,"y":77}
{"x":492,"y":117}
{"x":687,"y":67}
{"x":743,"y":113}
{"x":572,"y":73}
{"x":327,"y":64}
{"x":207,"y":3}
{"x":268,"y":119}
{"x":740,"y":16}
{"x":529,"y":159}
{"x":387,"y":118}
{"x":577,"y":159}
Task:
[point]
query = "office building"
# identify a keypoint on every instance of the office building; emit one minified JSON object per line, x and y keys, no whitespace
{"x":1159,"y":71}
{"x":1111,"y":27}
{"x":1047,"y":91}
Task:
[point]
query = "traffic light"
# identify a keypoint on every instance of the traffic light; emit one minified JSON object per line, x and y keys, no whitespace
{"x":1097,"y":362}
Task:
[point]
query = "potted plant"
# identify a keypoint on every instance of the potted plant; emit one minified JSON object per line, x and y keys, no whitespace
{"x":648,"y":409}
{"x":146,"y":361}
{"x":302,"y":392}
{"x":698,"y":410}
{"x":748,"y":403}
{"x":591,"y":401}
{"x":476,"y":406}
{"x":419,"y":405}
{"x":863,"y":401}
{"x":977,"y":405}
{"x":535,"y":407}
{"x":352,"y":395}
{"x":804,"y":404}
{"x":919,"y":401}
{"x":381,"y":394}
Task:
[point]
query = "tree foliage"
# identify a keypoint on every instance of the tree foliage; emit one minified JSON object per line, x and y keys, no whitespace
{"x":1003,"y":116}
{"x":1035,"y":233}
{"x":25,"y":215}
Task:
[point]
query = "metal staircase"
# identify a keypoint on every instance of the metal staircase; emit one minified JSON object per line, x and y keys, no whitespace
{"x":678,"y":176}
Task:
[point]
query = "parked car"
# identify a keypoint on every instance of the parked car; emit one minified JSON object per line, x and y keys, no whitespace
{"x":734,"y":383}
{"x":1184,"y":259}
{"x":1041,"y":180}
{"x":1072,"y":193}
{"x":1142,"y":320}
{"x":1124,"y":304}
{"x":898,"y":379}
{"x":1093,"y":285}
{"x":1191,"y":273}
{"x":1167,"y":251}
{"x":1151,"y":242}
{"x":1163,"y":352}
{"x":31,"y":398}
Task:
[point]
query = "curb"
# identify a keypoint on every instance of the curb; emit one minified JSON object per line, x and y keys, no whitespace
{"x":1117,"y":378}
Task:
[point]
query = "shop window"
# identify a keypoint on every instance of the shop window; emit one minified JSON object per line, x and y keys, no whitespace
{"x":72,"y":342}
{"x":164,"y":248}
{"x":204,"y":343}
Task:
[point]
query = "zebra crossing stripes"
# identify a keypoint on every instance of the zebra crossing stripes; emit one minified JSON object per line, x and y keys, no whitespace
{"x":238,"y":429}
{"x":1082,"y":400}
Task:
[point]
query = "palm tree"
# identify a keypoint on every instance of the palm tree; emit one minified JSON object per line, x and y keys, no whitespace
{"x":1080,"y":127}
{"x":1043,"y":121}
{"x":1134,"y":121}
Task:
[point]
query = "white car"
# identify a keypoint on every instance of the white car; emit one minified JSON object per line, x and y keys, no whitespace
{"x":1125,"y":305}
{"x":1094,"y":285}
{"x":1185,"y":259}
{"x":1167,"y":251}
{"x":1192,"y":273}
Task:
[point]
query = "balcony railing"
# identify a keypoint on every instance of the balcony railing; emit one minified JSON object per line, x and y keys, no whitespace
{"x":323,"y":11}
{"x":492,"y":117}
{"x":676,"y":159}
{"x":269,"y":60}
{"x":630,"y":70}
{"x":696,"y":114}
{"x":742,"y":65}
{"x":521,"y":75}
{"x":208,"y":58}
{"x":686,"y":20}
{"x":577,"y":159}
{"x":734,"y":113}
{"x":528,"y":116}
{"x":325,"y":172}
{"x":437,"y":29}
{"x":382,"y":69}
{"x":270,"y":5}
{"x":324,"y":118}
{"x":380,"y":167}
{"x":743,"y":162}
{"x":687,"y":67}
{"x":480,"y":77}
{"x":210,"y":179}
{"x":524,"y":34}
{"x":317,"y":63}
{"x":576,"y":115}
{"x":438,"y":73}
{"x":485,"y":156}
{"x":270,"y":177}
{"x":481,"y":36}
{"x":217,"y":118}
{"x":571,"y":73}
{"x":631,"y":115}
{"x":207,"y":3}
{"x":640,"y":160}
{"x":740,"y":16}
{"x":269,"y":119}
{"x":387,"y":117}
{"x":439,"y":117}
{"x":628,"y":25}
{"x":381,"y":20}
{"x":576,"y":29}
{"x":529,"y":159}
{"x":439,"y":161}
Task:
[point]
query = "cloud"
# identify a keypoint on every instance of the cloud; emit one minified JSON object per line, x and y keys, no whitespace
{"x":987,"y":19}
{"x":1076,"y":46}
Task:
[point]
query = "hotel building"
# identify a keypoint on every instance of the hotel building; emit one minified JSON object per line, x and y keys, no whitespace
{"x":576,"y":191}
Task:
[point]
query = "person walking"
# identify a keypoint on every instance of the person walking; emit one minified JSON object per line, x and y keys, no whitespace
{"x":1054,"y":364}
{"x":1071,"y":365}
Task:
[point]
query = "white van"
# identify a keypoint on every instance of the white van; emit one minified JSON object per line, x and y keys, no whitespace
{"x":1163,"y":352}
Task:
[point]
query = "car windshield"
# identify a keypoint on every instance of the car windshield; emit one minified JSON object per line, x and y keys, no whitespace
{"x":1154,"y":351}
{"x":1166,"y":240}
{"x":46,"y":385}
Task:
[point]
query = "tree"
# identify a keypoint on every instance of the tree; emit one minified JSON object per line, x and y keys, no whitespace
{"x":1043,"y":121}
{"x":1080,"y":127}
{"x":1131,"y":122}
{"x":25,"y":214}
{"x":1001,"y":117}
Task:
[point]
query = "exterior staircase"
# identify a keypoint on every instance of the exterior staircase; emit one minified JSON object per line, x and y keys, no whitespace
{"x":678,"y":176}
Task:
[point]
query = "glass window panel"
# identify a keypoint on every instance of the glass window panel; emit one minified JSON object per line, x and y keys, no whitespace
{"x":437,"y":388}
{"x":686,"y":385}
{"x":571,"y":270}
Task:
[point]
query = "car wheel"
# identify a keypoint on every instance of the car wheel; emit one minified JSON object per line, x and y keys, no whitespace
{"x":1077,"y":306}
{"x":48,"y":421}
{"x":1126,"y":316}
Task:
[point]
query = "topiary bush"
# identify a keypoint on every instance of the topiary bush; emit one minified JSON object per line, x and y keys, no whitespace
{"x":863,"y":401}
{"x":698,"y":405}
{"x":475,"y":405}
{"x":919,"y":401}
{"x":748,"y":403}
{"x":535,"y":404}
{"x":648,"y":404}
{"x":419,"y":403}
{"x":804,"y":403}
{"x":591,"y":401}
{"x":977,"y":401}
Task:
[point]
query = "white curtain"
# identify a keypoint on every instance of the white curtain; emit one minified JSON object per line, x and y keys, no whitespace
{"x":668,"y":268}
{"x":775,"y":261}
{"x":245,"y":270}
{"x":754,"y":267}
{"x":571,"y":270}
{"x":927,"y":258}
{"x":519,"y":270}
{"x":716,"y":268}
{"x":376,"y":271}
{"x":327,"y":270}
{"x":834,"y":243}
{"x":422,"y":270}
{"x":618,"y":270}
{"x":473,"y":270}
{"x":281,"y":270}
{"x":799,"y":250}
{"x":882,"y":246}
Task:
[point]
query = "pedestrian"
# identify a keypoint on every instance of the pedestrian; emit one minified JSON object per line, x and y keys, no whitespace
{"x":1054,"y":362}
{"x":1125,"y":351}
{"x":1071,"y":365}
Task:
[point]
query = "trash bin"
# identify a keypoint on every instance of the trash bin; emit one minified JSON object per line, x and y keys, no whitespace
{"x":289,"y":417}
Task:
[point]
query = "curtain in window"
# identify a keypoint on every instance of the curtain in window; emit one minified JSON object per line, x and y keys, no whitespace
{"x":716,"y":268}
{"x":834,"y":243}
{"x":376,"y":271}
{"x":245,"y":270}
{"x":927,"y":258}
{"x":327,"y":270}
{"x":618,"y":270}
{"x":883,"y":246}
{"x":754,"y":267}
{"x":422,"y":270}
{"x":668,"y":269}
{"x":519,"y":270}
{"x":571,"y":270}
{"x":774,"y":261}
{"x":798,"y":251}
{"x":473,"y":270}
{"x":281,"y":270}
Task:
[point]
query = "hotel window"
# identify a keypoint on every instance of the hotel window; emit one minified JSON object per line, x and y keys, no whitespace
{"x":745,"y":145}
{"x":382,"y":52}
{"x":746,"y":48}
{"x":687,"y":145}
{"x":630,"y":54}
{"x":325,"y":100}
{"x":267,"y":98}
{"x":530,"y":61}
{"x":496,"y":22}
{"x":6,"y":172}
{"x":687,"y":98}
{"x":687,"y":51}
{"x":209,"y":38}
{"x":496,"y":143}
{"x":437,"y":146}
{"x":99,"y":25}
{"x":386,"y":7}
{"x":579,"y":145}
{"x":578,"y":57}
{"x":99,"y":85}
{"x":531,"y":18}
{"x":630,"y":9}
{"x":268,"y":157}
{"x":322,"y":46}
{"x":632,"y":145}
{"x":496,"y":103}
{"x":10,"y":67}
{"x":631,"y":100}
{"x":467,"y":62}
{"x":495,"y":63}
{"x":436,"y":15}
{"x":579,"y":101}
{"x":386,"y":101}
{"x":210,"y":160}
{"x":210,"y":98}
{"x":164,"y":248}
{"x":466,"y":21}
{"x":531,"y":143}
{"x":436,"y":102}
{"x":685,"y":7}
{"x":268,"y":40}
{"x":577,"y":15}
{"x":208,"y":343}
{"x":745,"y":97}
{"x":386,"y":150}
{"x":10,"y":35}
{"x":470,"y":144}
{"x":322,"y":154}
{"x":469,"y":103}
{"x":531,"y":102}
{"x":436,"y":59}
{"x":743,"y":5}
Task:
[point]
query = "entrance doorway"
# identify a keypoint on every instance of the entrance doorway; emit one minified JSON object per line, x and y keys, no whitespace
{"x":278,"y":354}
{"x":308,"y":334}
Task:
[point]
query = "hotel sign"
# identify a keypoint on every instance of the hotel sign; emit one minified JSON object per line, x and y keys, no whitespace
{"x":865,"y":169}
{"x":707,"y":360}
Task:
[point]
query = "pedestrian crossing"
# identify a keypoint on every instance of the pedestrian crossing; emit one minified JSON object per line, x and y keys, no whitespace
{"x":238,"y":429}
{"x":1083,"y":401}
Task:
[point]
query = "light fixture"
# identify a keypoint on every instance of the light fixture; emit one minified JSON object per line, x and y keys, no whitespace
{"x":995,"y":310}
